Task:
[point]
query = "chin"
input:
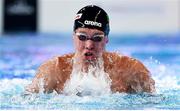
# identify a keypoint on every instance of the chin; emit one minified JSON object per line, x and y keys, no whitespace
{"x":90,"y":60}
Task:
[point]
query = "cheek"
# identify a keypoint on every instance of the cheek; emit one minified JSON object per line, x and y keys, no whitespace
{"x":79,"y":45}
{"x":100,"y":47}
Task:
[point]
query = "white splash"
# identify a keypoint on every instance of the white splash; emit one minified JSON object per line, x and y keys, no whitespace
{"x":94,"y":82}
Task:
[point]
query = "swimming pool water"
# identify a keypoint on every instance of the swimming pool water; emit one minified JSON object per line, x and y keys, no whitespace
{"x":20,"y":55}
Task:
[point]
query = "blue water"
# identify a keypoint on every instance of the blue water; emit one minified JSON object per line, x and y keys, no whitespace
{"x":20,"y":55}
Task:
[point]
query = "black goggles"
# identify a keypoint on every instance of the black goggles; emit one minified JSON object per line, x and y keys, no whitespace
{"x":95,"y":38}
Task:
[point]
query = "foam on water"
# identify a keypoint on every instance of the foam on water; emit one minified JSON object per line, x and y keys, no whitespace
{"x":93,"y":82}
{"x":165,"y":75}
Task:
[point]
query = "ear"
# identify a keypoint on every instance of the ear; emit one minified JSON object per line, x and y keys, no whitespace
{"x":106,"y":39}
{"x":73,"y":35}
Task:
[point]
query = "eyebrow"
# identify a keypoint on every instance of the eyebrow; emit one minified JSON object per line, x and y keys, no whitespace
{"x":96,"y":33}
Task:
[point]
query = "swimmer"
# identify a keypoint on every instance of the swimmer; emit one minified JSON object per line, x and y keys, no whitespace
{"x":67,"y":73}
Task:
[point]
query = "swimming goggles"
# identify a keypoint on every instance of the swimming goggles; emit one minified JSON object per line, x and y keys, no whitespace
{"x":84,"y":37}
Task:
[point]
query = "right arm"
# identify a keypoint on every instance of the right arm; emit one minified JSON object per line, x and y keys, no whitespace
{"x":44,"y":81}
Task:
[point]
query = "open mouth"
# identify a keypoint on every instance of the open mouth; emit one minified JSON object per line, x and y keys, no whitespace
{"x":88,"y":54}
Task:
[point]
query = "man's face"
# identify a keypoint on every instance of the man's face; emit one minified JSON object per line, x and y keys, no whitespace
{"x":89,"y":43}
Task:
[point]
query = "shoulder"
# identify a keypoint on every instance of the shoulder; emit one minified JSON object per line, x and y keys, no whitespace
{"x":116,"y":56}
{"x":133,"y":72}
{"x":58,"y":59}
{"x":124,"y":65}
{"x":50,"y":66}
{"x":51,"y":71}
{"x":122,"y":60}
{"x":64,"y":59}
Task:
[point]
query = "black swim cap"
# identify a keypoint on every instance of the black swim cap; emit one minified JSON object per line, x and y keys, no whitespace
{"x":92,"y":16}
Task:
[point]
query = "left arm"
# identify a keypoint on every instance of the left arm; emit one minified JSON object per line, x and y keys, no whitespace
{"x":140,"y":79}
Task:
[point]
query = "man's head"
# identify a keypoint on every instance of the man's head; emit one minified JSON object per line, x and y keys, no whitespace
{"x":94,"y":17}
{"x":91,"y":28}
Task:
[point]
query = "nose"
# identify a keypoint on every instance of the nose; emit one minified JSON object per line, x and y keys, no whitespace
{"x":89,"y":45}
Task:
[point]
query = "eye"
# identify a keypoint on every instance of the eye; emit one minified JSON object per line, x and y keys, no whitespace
{"x":82,"y":37}
{"x":97,"y":39}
